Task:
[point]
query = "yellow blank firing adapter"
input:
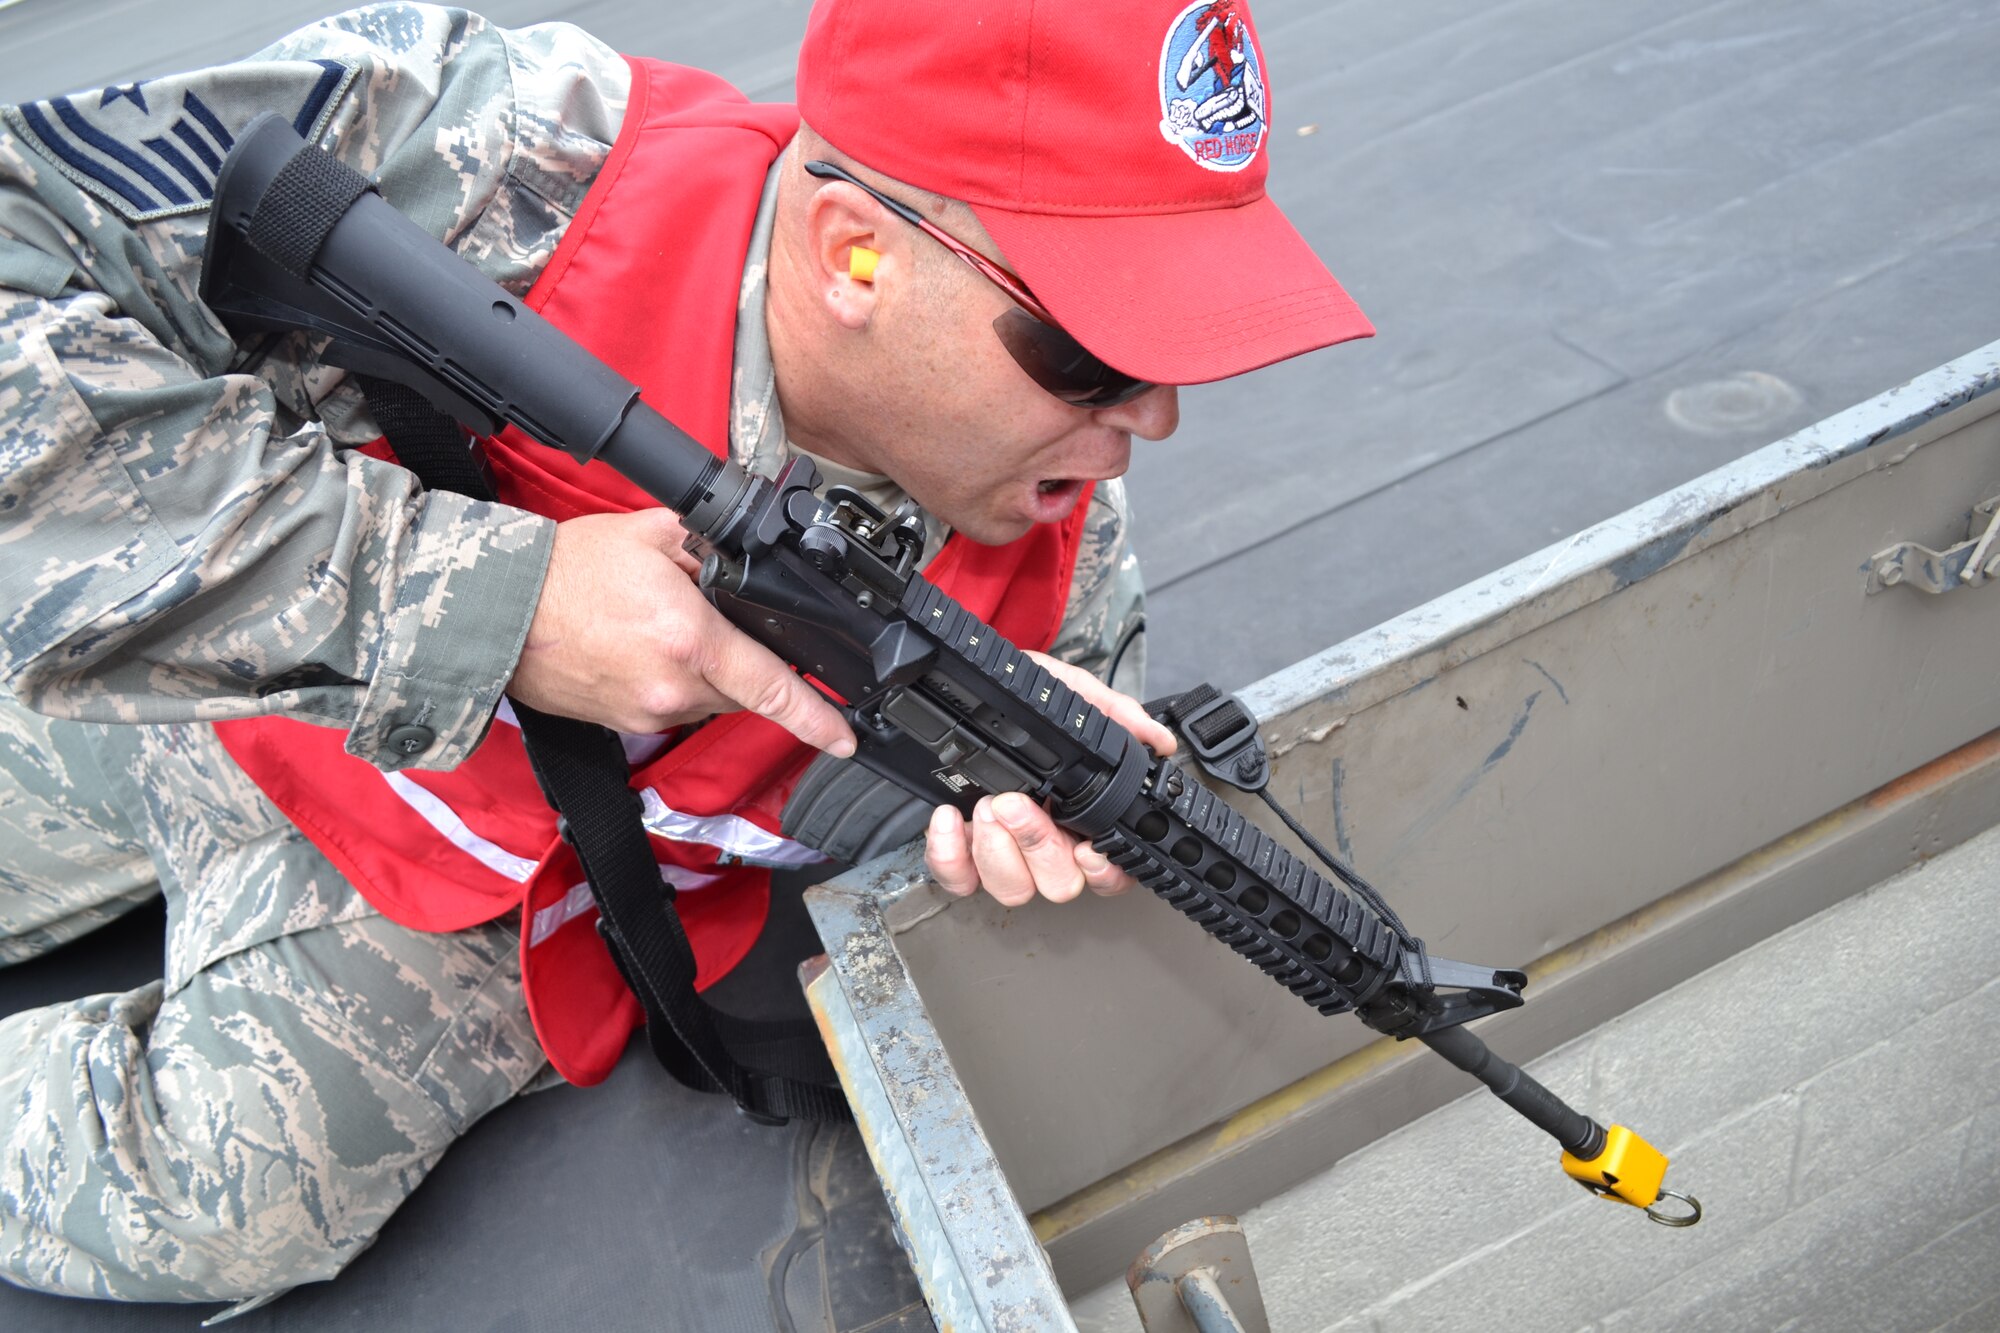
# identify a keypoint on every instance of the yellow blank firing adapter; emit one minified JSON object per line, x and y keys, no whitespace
{"x":861,"y":263}
{"x":1630,"y":1170}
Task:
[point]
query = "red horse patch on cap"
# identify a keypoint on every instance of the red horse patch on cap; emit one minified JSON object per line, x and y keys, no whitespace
{"x":1212,"y":93}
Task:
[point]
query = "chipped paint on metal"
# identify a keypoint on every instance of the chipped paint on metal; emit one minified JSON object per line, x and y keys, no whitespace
{"x":1561,"y":693}
{"x":1653,"y":557}
{"x":1423,"y":823}
{"x":974,"y":1252}
{"x":1341,"y":840}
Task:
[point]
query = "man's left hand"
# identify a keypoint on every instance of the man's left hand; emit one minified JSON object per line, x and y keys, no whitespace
{"x":1011,"y":846}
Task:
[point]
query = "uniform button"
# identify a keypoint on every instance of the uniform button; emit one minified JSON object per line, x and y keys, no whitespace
{"x":411,"y":740}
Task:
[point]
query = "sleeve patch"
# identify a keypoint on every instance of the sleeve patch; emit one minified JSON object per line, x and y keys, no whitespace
{"x":153,"y":148}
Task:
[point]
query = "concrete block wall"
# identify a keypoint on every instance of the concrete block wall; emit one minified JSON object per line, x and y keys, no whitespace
{"x":1832,"y":1094}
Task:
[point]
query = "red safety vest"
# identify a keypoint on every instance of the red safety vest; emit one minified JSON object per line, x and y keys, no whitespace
{"x":646,"y":277}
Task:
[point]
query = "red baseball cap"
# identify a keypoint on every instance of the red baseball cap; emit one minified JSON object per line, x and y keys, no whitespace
{"x":1114,"y":149}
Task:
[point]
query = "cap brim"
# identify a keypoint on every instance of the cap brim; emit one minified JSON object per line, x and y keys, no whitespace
{"x":1180,"y":298}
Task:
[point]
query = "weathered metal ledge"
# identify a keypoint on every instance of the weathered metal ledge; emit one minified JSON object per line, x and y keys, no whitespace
{"x":1628,"y":756}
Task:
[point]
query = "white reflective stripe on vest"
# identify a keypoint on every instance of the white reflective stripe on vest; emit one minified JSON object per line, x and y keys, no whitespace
{"x":577,"y":901}
{"x":446,"y":821}
{"x":557,"y":915}
{"x":731,"y":835}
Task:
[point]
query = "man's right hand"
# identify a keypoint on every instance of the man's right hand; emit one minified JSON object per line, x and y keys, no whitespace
{"x":623,"y":637}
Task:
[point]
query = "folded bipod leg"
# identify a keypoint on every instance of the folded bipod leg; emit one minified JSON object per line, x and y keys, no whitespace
{"x":1612,"y":1164}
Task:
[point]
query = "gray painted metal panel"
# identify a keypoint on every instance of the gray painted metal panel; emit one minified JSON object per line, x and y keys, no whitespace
{"x":1873,"y":1042}
{"x":1270,"y":1146}
{"x":1519,"y":765}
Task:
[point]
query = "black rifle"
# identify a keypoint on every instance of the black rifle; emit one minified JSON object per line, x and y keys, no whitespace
{"x":940,"y":704}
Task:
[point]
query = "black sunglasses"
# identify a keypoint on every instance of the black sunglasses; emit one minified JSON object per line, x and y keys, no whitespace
{"x":1039,"y":345}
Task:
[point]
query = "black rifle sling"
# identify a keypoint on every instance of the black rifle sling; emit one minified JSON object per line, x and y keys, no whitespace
{"x":767,"y":1067}
{"x":581,"y":766}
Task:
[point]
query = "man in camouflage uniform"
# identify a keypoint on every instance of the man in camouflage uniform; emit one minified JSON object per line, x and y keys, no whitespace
{"x":187,"y":538}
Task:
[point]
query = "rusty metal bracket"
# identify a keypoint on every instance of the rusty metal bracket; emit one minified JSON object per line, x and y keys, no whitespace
{"x":973,"y":1249}
{"x":1972,"y":562}
{"x":1198,"y":1279}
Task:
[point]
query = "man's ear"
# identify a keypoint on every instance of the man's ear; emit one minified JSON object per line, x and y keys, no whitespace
{"x":851,"y":259}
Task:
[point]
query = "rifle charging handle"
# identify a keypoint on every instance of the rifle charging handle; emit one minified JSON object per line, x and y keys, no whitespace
{"x":825,"y":549}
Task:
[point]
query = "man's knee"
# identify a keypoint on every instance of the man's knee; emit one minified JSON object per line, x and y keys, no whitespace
{"x":142,"y":1166}
{"x":250,"y":1133}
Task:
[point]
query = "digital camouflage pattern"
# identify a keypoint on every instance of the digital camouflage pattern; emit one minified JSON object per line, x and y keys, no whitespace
{"x":184,"y":537}
{"x":250,"y":1121}
{"x":1104,"y":625}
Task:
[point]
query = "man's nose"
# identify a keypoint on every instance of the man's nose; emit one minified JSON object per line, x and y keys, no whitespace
{"x":1153,"y":415}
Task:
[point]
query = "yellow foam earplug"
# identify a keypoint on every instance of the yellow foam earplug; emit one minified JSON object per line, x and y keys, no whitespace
{"x":861,"y":263}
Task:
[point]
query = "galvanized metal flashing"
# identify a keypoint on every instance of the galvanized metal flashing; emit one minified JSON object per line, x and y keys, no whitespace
{"x":1461,"y":807}
{"x":1307,"y":700}
{"x":973,"y":1249}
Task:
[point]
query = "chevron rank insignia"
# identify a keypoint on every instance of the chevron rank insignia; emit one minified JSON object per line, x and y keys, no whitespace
{"x":153,"y":148}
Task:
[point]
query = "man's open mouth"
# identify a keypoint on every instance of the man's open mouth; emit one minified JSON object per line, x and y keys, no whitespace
{"x":1056,"y":497}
